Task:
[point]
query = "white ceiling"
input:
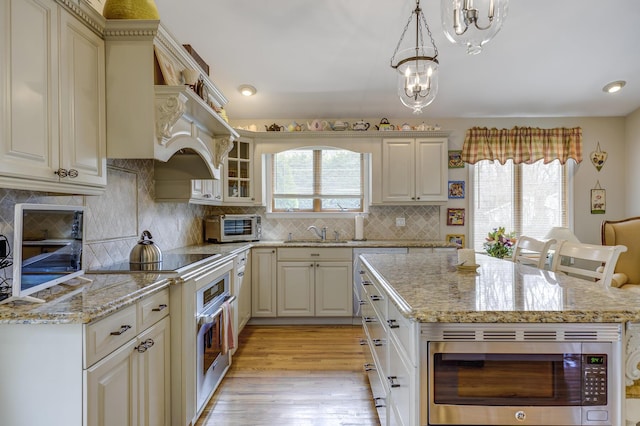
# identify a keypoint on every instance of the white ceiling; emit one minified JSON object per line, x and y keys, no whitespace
{"x":330,"y":58}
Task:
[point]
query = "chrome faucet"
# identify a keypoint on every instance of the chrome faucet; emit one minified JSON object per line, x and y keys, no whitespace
{"x":322,"y":235}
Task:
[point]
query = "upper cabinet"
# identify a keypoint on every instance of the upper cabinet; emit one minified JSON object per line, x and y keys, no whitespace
{"x":414,"y":170}
{"x":150,"y":112}
{"x":52,"y":83}
{"x":238,"y":174}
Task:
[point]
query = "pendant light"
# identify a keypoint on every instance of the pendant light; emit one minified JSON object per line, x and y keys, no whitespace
{"x":472,"y":23}
{"x":417,"y":66}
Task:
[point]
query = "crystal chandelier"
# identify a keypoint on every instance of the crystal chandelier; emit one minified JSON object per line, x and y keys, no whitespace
{"x":417,"y":66}
{"x":473,"y":23}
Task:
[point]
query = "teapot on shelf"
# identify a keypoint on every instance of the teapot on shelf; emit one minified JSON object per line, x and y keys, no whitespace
{"x":360,"y":125}
{"x":294,"y":127}
{"x":340,"y":125}
{"x":385,"y":125}
{"x":317,"y":125}
{"x":274,"y":128}
{"x":405,"y":127}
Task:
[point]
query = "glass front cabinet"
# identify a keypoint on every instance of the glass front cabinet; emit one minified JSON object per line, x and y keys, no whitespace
{"x":238,"y":175}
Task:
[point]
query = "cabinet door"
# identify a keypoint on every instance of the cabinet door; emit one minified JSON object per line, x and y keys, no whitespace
{"x":244,"y":296}
{"x":112,"y":389}
{"x":82,"y":102}
{"x":154,"y":375}
{"x":431,"y":169}
{"x":29,"y":132}
{"x":398,"y":170}
{"x":263,"y":282}
{"x":333,"y":289}
{"x":296,"y":289}
{"x":206,"y":191}
{"x":239,"y":173}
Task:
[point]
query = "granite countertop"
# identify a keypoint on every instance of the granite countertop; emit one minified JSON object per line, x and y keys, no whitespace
{"x":353,"y":243}
{"x":84,"y":302}
{"x":429,"y":288}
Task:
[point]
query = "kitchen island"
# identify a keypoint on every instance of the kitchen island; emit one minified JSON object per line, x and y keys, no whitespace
{"x":415,"y":300}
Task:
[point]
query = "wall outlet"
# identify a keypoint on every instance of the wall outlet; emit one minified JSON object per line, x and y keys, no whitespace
{"x":400,"y":221}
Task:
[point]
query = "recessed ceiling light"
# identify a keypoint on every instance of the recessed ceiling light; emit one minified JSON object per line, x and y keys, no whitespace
{"x":247,"y":90}
{"x":614,"y":86}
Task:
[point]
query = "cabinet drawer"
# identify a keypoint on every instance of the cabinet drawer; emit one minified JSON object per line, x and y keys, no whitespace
{"x":400,"y":381}
{"x":403,"y":330}
{"x":314,"y":253}
{"x":153,"y":308}
{"x":106,"y":335}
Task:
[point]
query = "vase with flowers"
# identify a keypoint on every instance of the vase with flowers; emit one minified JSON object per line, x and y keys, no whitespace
{"x":500,"y":243}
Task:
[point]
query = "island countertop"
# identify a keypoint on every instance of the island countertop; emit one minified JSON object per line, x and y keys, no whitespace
{"x":428,"y":288}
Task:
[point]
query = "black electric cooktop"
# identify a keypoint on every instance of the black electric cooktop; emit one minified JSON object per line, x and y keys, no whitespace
{"x":170,"y":263}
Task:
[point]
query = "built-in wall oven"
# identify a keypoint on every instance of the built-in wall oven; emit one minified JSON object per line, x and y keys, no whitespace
{"x":523,"y":375}
{"x":213,"y":313}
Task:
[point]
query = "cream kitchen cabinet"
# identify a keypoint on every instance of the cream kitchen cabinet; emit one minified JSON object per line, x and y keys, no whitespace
{"x":206,"y":191}
{"x":242,"y":289}
{"x":238,"y":173}
{"x":131,"y":385}
{"x":314,"y":282}
{"x":414,"y":170}
{"x":53,"y":127}
{"x":263,"y":282}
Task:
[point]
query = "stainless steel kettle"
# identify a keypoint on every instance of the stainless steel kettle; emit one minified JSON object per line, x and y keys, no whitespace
{"x":145,"y":251}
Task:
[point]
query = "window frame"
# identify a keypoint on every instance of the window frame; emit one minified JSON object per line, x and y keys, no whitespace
{"x":569,"y":169}
{"x":334,"y":213}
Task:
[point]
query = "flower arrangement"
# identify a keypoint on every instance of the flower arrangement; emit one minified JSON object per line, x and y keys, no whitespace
{"x":500,"y":243}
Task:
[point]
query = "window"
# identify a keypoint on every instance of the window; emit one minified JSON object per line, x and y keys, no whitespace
{"x":317,"y":179}
{"x":529,"y":199}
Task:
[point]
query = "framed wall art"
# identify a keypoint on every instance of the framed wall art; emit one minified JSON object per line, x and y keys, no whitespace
{"x":457,"y":239}
{"x":456,"y":189}
{"x":455,"y":159}
{"x":170,"y":72}
{"x":455,"y":217}
{"x":598,"y":200}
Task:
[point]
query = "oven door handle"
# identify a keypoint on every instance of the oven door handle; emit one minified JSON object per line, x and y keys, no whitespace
{"x":208,"y":318}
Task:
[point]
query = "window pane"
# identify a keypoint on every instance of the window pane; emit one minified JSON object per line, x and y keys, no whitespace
{"x":293,"y":172}
{"x":293,"y":204}
{"x":542,"y":198}
{"x":341,"y":173}
{"x":342,"y":204}
{"x":493,"y":199}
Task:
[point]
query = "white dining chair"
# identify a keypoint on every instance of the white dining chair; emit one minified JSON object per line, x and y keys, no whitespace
{"x":580,"y":260}
{"x":531,"y":251}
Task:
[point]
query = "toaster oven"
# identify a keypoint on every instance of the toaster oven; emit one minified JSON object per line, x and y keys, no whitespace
{"x":226,"y":228}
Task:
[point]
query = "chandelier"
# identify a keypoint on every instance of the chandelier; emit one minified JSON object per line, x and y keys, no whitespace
{"x":417,"y":66}
{"x":473,"y":23}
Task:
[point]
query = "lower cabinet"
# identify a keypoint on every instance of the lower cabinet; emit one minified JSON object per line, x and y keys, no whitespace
{"x":131,"y":385}
{"x":263,"y":282}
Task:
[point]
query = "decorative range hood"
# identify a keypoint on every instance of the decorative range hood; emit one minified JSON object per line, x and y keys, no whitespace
{"x":148,"y":118}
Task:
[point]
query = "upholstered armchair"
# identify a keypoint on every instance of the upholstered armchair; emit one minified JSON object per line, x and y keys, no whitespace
{"x":624,"y":232}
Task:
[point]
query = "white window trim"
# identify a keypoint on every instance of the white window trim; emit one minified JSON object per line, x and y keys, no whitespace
{"x":268,"y":184}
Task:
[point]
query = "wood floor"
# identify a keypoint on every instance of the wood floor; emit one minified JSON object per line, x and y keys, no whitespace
{"x":294,"y":376}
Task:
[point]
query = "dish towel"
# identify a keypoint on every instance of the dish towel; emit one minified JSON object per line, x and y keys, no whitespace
{"x":228,"y":340}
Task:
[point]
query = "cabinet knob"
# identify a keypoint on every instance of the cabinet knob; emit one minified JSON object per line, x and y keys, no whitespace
{"x":144,"y":345}
{"x":61,"y":172}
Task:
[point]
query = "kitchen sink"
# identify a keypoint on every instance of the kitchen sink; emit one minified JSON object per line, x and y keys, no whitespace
{"x":317,"y":241}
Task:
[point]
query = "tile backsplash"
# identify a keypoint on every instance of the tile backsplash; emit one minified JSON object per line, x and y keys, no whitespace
{"x":115,"y":220}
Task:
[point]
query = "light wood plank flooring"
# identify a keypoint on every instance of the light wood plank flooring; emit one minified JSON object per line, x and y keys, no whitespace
{"x":294,"y":376}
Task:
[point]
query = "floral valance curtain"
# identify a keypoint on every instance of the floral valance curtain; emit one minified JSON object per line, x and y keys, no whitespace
{"x":522,"y":144}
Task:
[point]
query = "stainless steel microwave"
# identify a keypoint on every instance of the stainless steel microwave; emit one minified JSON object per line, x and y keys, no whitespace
{"x":523,"y":382}
{"x":226,"y":228}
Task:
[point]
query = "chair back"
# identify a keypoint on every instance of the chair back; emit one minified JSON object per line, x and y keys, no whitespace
{"x":531,"y":251}
{"x":624,"y":232}
{"x":580,"y":254}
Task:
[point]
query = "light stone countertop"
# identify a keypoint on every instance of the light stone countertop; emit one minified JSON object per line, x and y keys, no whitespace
{"x":428,"y":288}
{"x":311,"y":242}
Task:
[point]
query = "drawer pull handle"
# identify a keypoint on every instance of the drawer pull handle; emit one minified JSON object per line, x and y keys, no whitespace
{"x":393,"y":323}
{"x":392,"y":381}
{"x":123,"y":328}
{"x":366,"y":282}
{"x":144,"y":345}
{"x":379,"y":402}
{"x":375,"y":298}
{"x":369,"y":367}
{"x":362,"y":302}
{"x":363,"y":342}
{"x":369,"y":319}
{"x":377,"y":342}
{"x":160,"y":308}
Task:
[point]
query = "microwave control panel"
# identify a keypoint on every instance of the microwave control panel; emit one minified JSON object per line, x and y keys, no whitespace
{"x":594,"y":386}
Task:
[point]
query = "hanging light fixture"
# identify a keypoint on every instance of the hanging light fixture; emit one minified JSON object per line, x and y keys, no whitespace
{"x":417,"y":66}
{"x":473,"y":23}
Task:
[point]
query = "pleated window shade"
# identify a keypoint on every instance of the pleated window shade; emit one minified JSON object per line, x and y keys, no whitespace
{"x":317,"y":179}
{"x":528,"y":199}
